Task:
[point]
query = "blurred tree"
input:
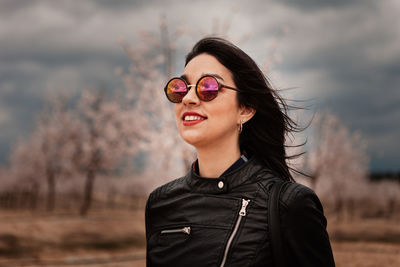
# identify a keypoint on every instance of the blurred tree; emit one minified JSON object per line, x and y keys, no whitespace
{"x":53,"y":131}
{"x":25,"y":173}
{"x":45,"y":153}
{"x":387,"y":194}
{"x":109,"y":132}
{"x":338,"y":162}
{"x":93,"y":137}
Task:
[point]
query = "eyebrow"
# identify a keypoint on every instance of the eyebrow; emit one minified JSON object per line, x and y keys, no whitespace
{"x":184,"y":76}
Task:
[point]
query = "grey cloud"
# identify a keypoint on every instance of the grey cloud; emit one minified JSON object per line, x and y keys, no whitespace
{"x":9,"y":7}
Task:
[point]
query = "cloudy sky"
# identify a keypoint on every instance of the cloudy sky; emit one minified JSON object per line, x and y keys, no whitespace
{"x":344,"y":55}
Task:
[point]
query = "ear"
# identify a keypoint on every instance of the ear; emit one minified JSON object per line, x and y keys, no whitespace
{"x":245,"y":114}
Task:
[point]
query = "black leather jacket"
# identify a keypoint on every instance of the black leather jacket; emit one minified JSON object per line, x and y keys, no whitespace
{"x":196,"y":221}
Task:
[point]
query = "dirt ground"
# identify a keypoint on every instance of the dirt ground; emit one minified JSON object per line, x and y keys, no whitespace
{"x":366,"y":254}
{"x":116,"y":238}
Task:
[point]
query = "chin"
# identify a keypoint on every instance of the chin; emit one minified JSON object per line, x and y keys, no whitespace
{"x":193,"y":139}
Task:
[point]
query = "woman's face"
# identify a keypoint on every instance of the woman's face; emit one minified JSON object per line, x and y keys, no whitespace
{"x":219,"y":117}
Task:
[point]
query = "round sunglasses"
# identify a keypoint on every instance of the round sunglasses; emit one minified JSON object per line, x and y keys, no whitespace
{"x":207,"y":88}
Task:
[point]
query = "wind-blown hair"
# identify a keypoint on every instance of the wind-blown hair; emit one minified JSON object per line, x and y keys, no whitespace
{"x":264,"y":134}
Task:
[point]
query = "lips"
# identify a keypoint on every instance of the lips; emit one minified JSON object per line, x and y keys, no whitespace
{"x":192,"y":118}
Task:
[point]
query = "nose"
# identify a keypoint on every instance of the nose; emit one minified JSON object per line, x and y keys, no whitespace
{"x":191,"y":96}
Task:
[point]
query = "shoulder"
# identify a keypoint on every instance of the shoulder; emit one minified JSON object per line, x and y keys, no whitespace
{"x":294,"y":199}
{"x":294,"y":194}
{"x":165,"y":190}
{"x":290,"y":191}
{"x":300,"y":203}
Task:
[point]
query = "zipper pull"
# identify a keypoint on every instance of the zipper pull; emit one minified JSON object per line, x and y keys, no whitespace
{"x":186,"y":230}
{"x":242,"y":211}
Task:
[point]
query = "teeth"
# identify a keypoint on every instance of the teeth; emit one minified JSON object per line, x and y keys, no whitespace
{"x":192,"y":118}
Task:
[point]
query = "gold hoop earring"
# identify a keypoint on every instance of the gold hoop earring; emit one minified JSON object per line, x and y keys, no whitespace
{"x":240,"y":127}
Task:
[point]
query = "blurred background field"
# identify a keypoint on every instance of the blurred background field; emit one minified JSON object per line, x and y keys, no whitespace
{"x":115,"y":237}
{"x":86,"y":132}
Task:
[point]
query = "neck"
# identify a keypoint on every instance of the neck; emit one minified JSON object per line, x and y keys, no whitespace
{"x":214,"y":160}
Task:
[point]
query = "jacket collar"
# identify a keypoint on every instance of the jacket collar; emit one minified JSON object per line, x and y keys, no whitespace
{"x":225,"y":182}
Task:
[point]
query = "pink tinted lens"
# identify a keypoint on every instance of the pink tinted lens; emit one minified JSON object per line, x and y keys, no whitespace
{"x":207,"y":88}
{"x":176,"y":90}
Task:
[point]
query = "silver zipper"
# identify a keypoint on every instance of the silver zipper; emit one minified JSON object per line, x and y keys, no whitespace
{"x":185,"y":230}
{"x":242,"y":213}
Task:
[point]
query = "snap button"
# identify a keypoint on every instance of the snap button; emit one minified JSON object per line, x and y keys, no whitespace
{"x":220,"y":185}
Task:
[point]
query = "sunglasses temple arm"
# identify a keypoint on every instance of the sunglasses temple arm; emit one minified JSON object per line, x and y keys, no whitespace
{"x":230,"y":88}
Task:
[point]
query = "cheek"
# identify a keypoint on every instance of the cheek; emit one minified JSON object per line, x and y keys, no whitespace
{"x":225,"y":115}
{"x":225,"y":121}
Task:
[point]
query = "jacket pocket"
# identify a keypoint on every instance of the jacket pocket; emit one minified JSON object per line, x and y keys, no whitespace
{"x":184,"y":246}
{"x":173,"y":236}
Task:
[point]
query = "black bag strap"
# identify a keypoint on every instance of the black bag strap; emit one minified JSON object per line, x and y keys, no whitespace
{"x":274,"y":224}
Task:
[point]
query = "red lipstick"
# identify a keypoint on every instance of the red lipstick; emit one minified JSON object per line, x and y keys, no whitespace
{"x":192,"y":122}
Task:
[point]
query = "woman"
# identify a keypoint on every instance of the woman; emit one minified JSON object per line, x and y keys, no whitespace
{"x":217,"y":214}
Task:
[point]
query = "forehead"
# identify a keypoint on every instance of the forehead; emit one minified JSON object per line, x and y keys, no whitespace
{"x":206,"y":64}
